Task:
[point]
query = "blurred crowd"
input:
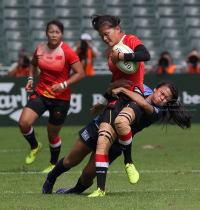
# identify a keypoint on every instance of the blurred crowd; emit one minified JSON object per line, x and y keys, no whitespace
{"x":87,"y":53}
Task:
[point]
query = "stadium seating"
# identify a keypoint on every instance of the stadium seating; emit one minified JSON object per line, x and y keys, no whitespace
{"x":66,"y":3}
{"x":192,"y":22}
{"x":169,"y":11}
{"x":92,"y":3}
{"x":118,"y":11}
{"x":38,"y":24}
{"x":67,"y":12}
{"x":22,"y":35}
{"x":167,"y":2}
{"x":175,"y":43}
{"x":143,"y":11}
{"x":191,"y":2}
{"x":144,"y":23}
{"x":15,"y":13}
{"x":15,"y":3}
{"x":45,"y":13}
{"x":170,"y":23}
{"x":16,"y":46}
{"x":16,"y":24}
{"x":191,"y":11}
{"x":88,"y":12}
{"x":142,"y":2}
{"x":117,"y":3}
{"x":40,"y":3}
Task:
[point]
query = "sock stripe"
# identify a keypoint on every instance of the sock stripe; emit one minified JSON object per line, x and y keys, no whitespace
{"x":102,"y":161}
{"x":55,"y":142}
{"x":27,"y":132}
{"x":126,"y":137}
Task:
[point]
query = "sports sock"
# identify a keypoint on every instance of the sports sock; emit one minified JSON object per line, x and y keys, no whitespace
{"x":102,"y":164}
{"x":57,"y":171}
{"x":29,"y":135}
{"x":55,"y":146}
{"x":126,"y":144}
{"x":79,"y":188}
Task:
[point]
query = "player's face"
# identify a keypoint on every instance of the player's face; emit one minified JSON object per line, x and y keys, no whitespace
{"x":111,"y":36}
{"x":54,"y":35}
{"x":161,"y":96}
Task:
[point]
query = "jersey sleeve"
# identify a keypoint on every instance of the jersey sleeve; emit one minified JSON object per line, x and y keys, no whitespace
{"x":70,"y":55}
{"x":133,"y":42}
{"x":157,"y":114}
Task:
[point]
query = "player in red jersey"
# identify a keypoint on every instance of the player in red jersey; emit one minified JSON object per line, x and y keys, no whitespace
{"x":55,"y":59}
{"x":109,"y":29}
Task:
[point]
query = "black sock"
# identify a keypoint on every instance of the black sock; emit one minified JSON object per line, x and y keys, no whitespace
{"x":55,"y":152}
{"x":29,"y":135}
{"x":79,"y":188}
{"x":101,"y":177}
{"x":127,"y":153}
{"x":57,"y":171}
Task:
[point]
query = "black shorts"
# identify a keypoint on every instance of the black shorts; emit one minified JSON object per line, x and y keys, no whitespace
{"x":89,"y":136}
{"x":57,"y":108}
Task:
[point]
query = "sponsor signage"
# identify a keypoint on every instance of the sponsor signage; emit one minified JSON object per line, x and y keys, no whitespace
{"x":86,"y":93}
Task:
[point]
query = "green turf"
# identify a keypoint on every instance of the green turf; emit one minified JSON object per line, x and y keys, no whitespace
{"x":169,"y":175}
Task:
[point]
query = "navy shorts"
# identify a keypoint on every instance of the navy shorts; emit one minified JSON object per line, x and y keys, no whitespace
{"x":89,"y":136}
{"x":57,"y":108}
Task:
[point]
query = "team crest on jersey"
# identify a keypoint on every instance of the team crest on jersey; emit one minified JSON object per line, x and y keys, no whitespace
{"x":59,"y":57}
{"x":40,"y":56}
{"x":85,"y":135}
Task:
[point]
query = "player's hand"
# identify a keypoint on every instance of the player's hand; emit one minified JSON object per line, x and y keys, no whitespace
{"x":97,"y":109}
{"x":116,"y":91}
{"x":29,"y":86}
{"x":114,"y":56}
{"x":119,"y":83}
{"x":56,"y":88}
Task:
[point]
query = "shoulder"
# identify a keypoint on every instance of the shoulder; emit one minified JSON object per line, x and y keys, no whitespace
{"x":66,"y":47}
{"x":41,"y":45}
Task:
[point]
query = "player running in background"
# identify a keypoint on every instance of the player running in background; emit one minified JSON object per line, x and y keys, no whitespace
{"x":55,"y":59}
{"x":87,"y":141}
{"x":109,"y":29}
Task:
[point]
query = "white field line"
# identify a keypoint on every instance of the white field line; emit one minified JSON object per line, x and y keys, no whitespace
{"x":109,"y":172}
{"x":116,"y":191}
{"x":26,"y":150}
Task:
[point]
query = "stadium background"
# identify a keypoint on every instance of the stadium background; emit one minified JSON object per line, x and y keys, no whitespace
{"x":171,"y":25}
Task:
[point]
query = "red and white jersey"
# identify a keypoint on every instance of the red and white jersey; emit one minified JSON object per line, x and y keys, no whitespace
{"x":138,"y":77}
{"x":55,"y":68}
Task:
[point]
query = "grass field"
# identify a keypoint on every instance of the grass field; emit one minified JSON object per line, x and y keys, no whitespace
{"x":169,"y":173}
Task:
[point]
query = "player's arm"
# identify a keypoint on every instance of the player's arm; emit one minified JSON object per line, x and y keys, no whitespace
{"x":31,"y":71}
{"x":135,"y":97}
{"x":140,"y":54}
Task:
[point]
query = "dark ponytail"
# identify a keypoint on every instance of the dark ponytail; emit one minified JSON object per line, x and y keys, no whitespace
{"x":105,"y":20}
{"x":173,"y":111}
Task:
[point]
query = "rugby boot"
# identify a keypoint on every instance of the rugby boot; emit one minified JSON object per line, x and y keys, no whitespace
{"x":97,"y":193}
{"x":32,"y":155}
{"x":133,"y":175}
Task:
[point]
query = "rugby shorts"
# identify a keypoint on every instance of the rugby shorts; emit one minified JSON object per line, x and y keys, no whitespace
{"x":89,"y":136}
{"x":57,"y":108}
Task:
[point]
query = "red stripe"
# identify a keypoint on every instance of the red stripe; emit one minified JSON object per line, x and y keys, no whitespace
{"x":55,"y":141}
{"x":102,"y":158}
{"x":125,"y":137}
{"x":33,"y":96}
{"x":27,"y":131}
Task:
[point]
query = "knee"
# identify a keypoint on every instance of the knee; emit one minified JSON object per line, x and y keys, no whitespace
{"x":103,"y":145}
{"x":69,"y":163}
{"x":23,"y":124}
{"x":121,"y":125}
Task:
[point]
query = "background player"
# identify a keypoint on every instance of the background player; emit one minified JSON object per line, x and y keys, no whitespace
{"x":52,"y":93}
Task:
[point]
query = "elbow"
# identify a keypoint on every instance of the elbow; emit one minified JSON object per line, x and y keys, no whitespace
{"x":82,"y":75}
{"x":148,"y":56}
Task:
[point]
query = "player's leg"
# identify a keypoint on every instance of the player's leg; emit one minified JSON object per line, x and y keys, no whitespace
{"x":106,"y":137}
{"x":34,"y":108}
{"x":77,"y":154}
{"x":85,"y":180}
{"x":122,"y":125}
{"x":58,"y":111}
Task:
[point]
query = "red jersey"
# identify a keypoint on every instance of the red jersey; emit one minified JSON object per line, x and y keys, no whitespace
{"x":55,"y":68}
{"x":138,"y":77}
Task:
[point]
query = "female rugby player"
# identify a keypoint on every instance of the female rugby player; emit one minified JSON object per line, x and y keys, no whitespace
{"x":109,"y":29}
{"x":55,"y":59}
{"x":144,"y":117}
